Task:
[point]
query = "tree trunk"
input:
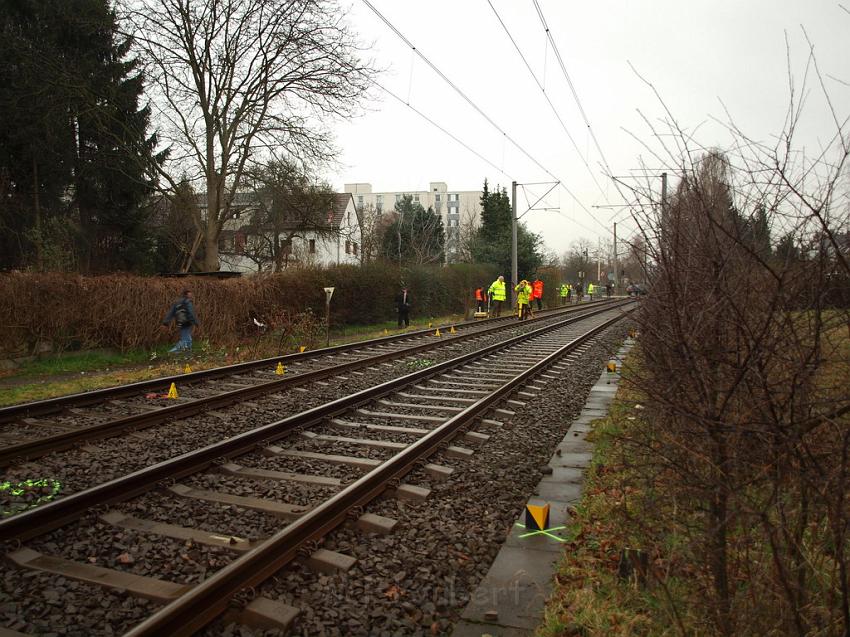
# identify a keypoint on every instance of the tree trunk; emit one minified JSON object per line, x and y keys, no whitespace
{"x":211,"y":247}
{"x":213,"y":226}
{"x":39,"y":237}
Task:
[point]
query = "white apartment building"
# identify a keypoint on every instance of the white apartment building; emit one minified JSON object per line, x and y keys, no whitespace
{"x":456,"y":207}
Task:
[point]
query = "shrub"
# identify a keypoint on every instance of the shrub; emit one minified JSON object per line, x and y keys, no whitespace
{"x":58,"y":312}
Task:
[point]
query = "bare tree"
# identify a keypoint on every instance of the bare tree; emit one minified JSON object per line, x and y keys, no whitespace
{"x":576,"y":259}
{"x":237,"y":80}
{"x":743,"y":371}
{"x":467,"y":231}
{"x":373,"y":225}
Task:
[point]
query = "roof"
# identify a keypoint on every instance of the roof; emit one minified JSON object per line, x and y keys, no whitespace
{"x":341,"y":200}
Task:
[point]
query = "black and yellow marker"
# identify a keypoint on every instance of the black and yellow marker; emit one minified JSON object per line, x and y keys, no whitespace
{"x":536,"y":517}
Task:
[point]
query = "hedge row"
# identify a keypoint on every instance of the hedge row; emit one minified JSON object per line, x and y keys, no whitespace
{"x":62,"y":311}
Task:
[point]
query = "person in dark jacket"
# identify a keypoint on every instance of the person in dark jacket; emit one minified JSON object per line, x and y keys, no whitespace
{"x":403,"y":302}
{"x":182,"y":312}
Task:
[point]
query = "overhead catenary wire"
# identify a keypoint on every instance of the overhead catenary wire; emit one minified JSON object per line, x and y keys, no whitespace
{"x":464,"y":144}
{"x":481,"y":112}
{"x":443,"y":130}
{"x":574,"y":92}
{"x":546,"y":95}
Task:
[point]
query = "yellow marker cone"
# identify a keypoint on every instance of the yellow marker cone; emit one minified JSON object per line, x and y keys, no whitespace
{"x":187,"y":369}
{"x":437,"y":333}
{"x":536,"y":517}
{"x":172,"y":391}
{"x":280,"y":370}
{"x":386,"y":331}
{"x":453,"y":331}
{"x":612,"y":366}
{"x":430,"y":326}
{"x":301,"y":348}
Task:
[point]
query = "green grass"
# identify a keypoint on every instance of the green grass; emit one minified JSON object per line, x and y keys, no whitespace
{"x":75,"y":362}
{"x":76,"y":372}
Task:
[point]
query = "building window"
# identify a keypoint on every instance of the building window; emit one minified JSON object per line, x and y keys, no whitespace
{"x":312,"y":246}
{"x":379,"y":207}
{"x":416,"y":198}
{"x":437,"y":197}
{"x":239,"y":243}
{"x":360,"y":201}
{"x":453,"y":197}
{"x":354,"y":247}
{"x":348,"y":247}
{"x":379,"y":198}
{"x":397,"y":198}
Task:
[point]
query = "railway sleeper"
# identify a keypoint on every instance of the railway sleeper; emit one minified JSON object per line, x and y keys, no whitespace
{"x":416,"y":431}
{"x":252,"y":473}
{"x":138,"y":585}
{"x":198,"y":536}
{"x":264,"y":613}
{"x":272,"y":507}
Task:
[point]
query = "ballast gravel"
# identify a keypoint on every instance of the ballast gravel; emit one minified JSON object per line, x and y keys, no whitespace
{"x":418,"y":580}
{"x":415,"y":581}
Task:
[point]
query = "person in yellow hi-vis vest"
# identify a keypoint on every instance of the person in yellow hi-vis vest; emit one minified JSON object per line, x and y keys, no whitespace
{"x":590,"y":290}
{"x":497,"y":295}
{"x":523,"y":299}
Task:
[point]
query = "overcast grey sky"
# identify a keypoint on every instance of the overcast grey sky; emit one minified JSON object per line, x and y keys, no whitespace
{"x":695,"y":52}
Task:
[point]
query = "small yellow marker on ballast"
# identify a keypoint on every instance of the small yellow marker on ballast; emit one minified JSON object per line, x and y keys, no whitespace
{"x":301,"y":348}
{"x":612,"y":366}
{"x":187,"y":369}
{"x":430,"y":325}
{"x":437,"y":333}
{"x":172,"y":391}
{"x":280,"y":370}
{"x":386,"y":331}
{"x":453,"y":330}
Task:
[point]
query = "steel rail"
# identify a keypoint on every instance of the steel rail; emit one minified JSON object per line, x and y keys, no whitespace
{"x":52,"y":405}
{"x":203,"y":603}
{"x":35,"y":448}
{"x":46,"y":517}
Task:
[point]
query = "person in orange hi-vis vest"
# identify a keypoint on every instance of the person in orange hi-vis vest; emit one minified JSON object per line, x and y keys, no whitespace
{"x":537,"y":291}
{"x":481,"y":298}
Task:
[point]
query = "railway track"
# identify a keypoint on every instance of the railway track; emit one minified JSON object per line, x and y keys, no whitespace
{"x":25,"y":433}
{"x":324,"y":465}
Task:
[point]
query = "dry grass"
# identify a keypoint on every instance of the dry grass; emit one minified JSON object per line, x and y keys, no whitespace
{"x":591,"y":598}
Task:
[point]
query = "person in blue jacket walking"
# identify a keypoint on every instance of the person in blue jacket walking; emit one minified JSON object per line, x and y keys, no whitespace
{"x":182,"y":312}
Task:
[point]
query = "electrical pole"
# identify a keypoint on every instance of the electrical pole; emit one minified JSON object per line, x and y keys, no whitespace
{"x":663,"y":200}
{"x":514,"y":273}
{"x":616,"y":263}
{"x":599,"y":260}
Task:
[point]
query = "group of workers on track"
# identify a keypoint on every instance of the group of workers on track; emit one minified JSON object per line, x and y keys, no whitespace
{"x":493,"y":298}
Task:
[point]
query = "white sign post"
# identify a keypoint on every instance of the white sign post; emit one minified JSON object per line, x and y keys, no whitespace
{"x":329,"y":292}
